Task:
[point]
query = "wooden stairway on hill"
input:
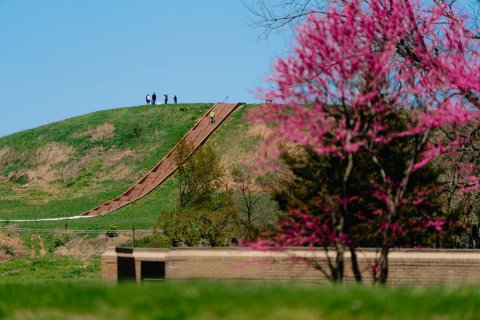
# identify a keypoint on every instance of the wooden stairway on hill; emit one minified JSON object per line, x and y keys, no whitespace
{"x":167,"y":166}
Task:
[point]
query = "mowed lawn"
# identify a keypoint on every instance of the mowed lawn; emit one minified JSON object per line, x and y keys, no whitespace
{"x":233,"y":300}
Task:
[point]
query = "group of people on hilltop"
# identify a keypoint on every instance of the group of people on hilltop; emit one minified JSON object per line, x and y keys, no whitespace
{"x":151,"y":99}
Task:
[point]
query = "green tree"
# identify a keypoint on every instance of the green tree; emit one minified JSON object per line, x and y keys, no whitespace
{"x":200,"y":175}
{"x":205,"y":212}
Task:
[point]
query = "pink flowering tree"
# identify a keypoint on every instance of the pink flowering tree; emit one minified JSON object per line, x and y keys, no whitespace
{"x":351,"y":72}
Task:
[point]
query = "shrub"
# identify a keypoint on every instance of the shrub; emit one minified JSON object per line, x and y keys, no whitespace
{"x":112,"y":231}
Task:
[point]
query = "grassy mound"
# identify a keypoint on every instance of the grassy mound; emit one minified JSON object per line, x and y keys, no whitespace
{"x":68,"y":167}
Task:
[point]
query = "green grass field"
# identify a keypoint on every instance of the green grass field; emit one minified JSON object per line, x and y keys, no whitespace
{"x":233,"y":300}
{"x":49,"y":267}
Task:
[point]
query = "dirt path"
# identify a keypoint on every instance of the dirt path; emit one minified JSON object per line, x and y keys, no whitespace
{"x":36,"y":239}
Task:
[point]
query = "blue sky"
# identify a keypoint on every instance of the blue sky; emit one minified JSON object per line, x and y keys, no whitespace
{"x":63,"y":58}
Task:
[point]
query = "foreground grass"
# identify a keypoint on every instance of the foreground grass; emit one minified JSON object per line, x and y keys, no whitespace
{"x":233,"y":300}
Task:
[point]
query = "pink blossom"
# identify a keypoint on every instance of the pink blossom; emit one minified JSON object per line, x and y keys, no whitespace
{"x":436,"y":224}
{"x":352,"y":70}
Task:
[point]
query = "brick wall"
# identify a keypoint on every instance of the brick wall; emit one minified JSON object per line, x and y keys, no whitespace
{"x":406,"y":266}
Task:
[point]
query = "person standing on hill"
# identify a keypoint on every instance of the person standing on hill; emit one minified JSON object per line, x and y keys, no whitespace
{"x":154,"y":97}
{"x":212,"y":117}
{"x":148,"y":98}
{"x":166,"y":98}
{"x":175,"y":99}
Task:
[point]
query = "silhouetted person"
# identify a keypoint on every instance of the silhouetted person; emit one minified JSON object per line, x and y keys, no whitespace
{"x":166,"y":98}
{"x":154,"y":98}
{"x":175,"y":99}
{"x":148,"y":98}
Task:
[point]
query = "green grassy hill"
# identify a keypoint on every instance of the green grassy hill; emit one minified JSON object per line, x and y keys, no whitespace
{"x":68,"y":167}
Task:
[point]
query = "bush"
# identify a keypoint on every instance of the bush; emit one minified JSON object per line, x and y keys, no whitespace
{"x":205,"y":212}
{"x":212,"y":224}
{"x":112,"y":232}
{"x":8,"y":250}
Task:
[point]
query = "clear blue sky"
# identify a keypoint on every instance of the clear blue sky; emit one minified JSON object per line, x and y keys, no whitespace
{"x":61,"y":58}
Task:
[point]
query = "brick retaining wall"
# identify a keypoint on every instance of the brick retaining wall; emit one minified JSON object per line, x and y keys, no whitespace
{"x":410,"y":266}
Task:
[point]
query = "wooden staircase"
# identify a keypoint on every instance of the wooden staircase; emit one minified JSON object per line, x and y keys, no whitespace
{"x":167,"y":166}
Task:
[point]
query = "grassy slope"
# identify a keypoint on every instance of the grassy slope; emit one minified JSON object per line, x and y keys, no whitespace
{"x":159,"y":128}
{"x":233,"y":141}
{"x":233,"y":300}
{"x":149,"y":131}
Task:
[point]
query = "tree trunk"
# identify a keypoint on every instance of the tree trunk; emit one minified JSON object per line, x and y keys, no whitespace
{"x":355,"y":267}
{"x":339,"y":264}
{"x":383,"y":263}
